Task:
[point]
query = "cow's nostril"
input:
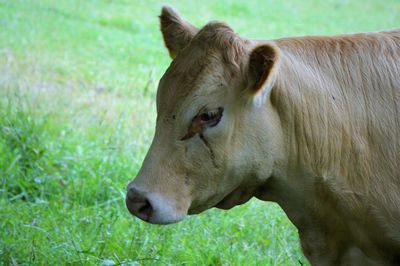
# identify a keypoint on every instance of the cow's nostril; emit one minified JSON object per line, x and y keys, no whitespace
{"x":146,"y":209}
{"x":138,"y":205}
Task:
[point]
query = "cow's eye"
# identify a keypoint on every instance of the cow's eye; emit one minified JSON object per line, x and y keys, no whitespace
{"x":211,"y":118}
{"x":202,"y":120}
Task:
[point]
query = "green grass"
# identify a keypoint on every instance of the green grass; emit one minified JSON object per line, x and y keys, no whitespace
{"x":77,"y":113}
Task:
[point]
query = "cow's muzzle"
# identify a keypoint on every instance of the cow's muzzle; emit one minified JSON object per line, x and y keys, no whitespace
{"x":152,"y":207}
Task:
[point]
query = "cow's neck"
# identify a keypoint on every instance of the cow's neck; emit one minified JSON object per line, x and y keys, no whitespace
{"x":310,"y":184}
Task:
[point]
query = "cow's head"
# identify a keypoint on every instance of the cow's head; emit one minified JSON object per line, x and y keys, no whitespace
{"x":209,"y":148}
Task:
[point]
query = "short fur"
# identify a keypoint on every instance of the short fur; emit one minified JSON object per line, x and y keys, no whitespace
{"x":323,"y":141}
{"x":339,"y":100}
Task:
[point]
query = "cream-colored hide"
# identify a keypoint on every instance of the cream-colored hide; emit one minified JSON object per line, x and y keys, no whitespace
{"x":311,"y":123}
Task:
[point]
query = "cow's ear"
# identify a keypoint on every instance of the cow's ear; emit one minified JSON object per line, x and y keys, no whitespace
{"x":177,"y":33}
{"x":262,"y":67}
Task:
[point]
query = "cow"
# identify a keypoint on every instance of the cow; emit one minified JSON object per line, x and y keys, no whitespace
{"x":311,"y":123}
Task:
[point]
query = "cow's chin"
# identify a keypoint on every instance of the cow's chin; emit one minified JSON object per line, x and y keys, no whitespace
{"x":237,"y":197}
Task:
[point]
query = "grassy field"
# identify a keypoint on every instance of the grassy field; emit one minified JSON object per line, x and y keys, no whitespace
{"x":77,"y":113}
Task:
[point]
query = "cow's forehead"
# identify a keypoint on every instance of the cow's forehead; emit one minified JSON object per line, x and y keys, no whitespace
{"x":213,"y":56}
{"x":188,"y":74}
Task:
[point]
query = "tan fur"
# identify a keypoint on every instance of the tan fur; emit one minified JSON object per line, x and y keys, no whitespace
{"x":311,"y":123}
{"x":339,"y":98}
{"x":176,"y":32}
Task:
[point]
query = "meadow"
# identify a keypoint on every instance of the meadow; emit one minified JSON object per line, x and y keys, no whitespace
{"x":78,"y":81}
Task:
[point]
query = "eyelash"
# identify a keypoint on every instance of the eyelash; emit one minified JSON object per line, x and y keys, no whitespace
{"x":204,"y":120}
{"x":212,"y":117}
